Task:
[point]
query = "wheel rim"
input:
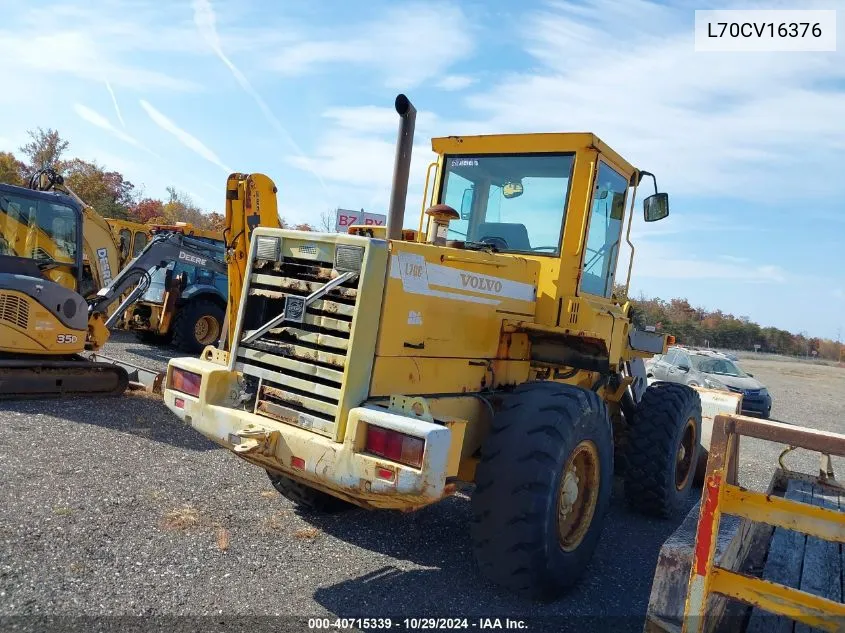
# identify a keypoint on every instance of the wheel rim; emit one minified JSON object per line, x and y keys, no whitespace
{"x":206,"y":330}
{"x":577,"y":495}
{"x":683,"y":458}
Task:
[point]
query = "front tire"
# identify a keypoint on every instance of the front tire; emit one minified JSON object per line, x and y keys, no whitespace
{"x":664,"y":443}
{"x":197,"y":324}
{"x":542,"y":489}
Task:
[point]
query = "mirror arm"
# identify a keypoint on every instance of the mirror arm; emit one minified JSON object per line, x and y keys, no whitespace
{"x":630,"y":243}
{"x":648,"y":173}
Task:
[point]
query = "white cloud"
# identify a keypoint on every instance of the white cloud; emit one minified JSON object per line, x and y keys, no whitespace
{"x":455,"y":82}
{"x":95,"y":118}
{"x":77,"y":53}
{"x":706,"y":124}
{"x":116,"y":107}
{"x":187,"y":139}
{"x":376,"y":119}
{"x":397,"y":46}
{"x":655,"y":260}
{"x":205,"y":19}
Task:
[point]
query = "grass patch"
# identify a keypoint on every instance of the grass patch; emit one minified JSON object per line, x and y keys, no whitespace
{"x":181,"y":518}
{"x":222,"y":539}
{"x":308,"y":533}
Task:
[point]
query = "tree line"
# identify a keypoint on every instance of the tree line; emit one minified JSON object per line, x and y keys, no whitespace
{"x":717,"y":329}
{"x":107,"y":191}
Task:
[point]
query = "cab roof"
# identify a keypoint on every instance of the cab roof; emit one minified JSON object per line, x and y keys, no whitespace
{"x":46,"y":196}
{"x":527,"y":143}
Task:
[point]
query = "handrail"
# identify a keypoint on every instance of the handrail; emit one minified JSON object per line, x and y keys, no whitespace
{"x":722,"y":495}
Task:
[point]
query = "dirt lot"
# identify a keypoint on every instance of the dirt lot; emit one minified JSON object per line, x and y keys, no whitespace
{"x":115,"y":508}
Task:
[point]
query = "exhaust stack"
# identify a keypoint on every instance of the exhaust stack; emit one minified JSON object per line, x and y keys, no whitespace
{"x":401,"y":167}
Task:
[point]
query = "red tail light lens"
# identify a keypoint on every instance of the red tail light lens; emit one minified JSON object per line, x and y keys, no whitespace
{"x":395,"y":446}
{"x":185,"y":381}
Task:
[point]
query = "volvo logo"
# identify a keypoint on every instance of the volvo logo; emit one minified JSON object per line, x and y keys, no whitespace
{"x":294,"y":308}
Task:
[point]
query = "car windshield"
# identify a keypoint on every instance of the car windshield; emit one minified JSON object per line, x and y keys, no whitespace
{"x":514,"y":203}
{"x":37,"y":229}
{"x":719,"y":366}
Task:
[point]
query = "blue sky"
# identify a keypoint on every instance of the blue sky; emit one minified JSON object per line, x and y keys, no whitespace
{"x":750,"y":146}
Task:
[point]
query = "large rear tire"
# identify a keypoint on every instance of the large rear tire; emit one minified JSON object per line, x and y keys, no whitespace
{"x":662,"y":455}
{"x":308,"y":498}
{"x":542,"y":489}
{"x":197,"y":324}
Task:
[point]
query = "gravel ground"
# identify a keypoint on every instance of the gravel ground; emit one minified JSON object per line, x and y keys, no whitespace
{"x":113,"y":508}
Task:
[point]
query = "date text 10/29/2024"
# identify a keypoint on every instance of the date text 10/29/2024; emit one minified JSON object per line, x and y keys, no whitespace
{"x":415,"y":624}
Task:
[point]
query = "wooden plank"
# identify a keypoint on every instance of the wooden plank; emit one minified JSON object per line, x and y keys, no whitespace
{"x":822,"y":571}
{"x":783,"y":565}
{"x":826,"y":442}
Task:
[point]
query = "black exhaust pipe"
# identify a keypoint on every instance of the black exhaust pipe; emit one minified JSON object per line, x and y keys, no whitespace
{"x":401,"y":167}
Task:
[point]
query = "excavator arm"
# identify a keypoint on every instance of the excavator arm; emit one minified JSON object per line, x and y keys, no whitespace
{"x":250,"y":202}
{"x":158,"y":253}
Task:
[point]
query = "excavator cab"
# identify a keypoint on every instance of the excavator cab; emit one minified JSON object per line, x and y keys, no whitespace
{"x":44,"y":228}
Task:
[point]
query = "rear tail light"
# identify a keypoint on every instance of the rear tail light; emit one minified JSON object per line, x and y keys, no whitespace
{"x":185,"y":381}
{"x":395,"y":446}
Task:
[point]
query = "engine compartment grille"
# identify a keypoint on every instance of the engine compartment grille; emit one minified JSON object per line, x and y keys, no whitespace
{"x":14,"y":310}
{"x":299,"y":366}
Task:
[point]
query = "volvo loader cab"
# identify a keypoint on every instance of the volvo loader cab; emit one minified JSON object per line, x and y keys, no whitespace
{"x":485,"y":347}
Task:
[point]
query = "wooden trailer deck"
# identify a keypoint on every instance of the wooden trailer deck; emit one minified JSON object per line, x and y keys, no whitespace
{"x":757,"y":562}
{"x":802,"y":562}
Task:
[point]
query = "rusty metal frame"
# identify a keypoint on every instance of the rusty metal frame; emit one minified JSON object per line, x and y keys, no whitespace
{"x":722,"y":495}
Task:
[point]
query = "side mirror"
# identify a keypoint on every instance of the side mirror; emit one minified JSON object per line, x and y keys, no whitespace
{"x":656,"y":207}
{"x":183,"y":281}
{"x":466,"y":204}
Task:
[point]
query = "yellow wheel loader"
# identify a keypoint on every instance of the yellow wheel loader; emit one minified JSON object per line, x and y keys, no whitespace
{"x":383,"y":369}
{"x":47,"y":320}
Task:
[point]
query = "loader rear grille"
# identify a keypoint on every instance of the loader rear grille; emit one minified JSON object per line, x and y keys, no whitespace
{"x":299,"y":365}
{"x":14,"y":310}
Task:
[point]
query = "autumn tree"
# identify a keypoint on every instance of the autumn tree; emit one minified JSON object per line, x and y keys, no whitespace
{"x":12,"y":171}
{"x":146,"y":210}
{"x":303,"y":227}
{"x":107,"y":191}
{"x":181,"y":208}
{"x":216,"y":221}
{"x":45,"y":149}
{"x":327,"y":221}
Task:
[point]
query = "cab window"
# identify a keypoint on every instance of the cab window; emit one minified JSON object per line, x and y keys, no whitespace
{"x":605,"y":231}
{"x":512,"y":204}
{"x":140,"y":243}
{"x":125,"y":241}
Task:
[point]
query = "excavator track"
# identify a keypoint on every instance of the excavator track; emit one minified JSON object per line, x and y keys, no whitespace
{"x":77,"y":376}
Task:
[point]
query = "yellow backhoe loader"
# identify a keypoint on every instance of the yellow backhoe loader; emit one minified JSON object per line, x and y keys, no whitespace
{"x":48,"y":316}
{"x":384,"y":367}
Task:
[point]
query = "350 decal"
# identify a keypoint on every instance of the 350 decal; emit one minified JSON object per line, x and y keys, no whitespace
{"x":67,"y":339}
